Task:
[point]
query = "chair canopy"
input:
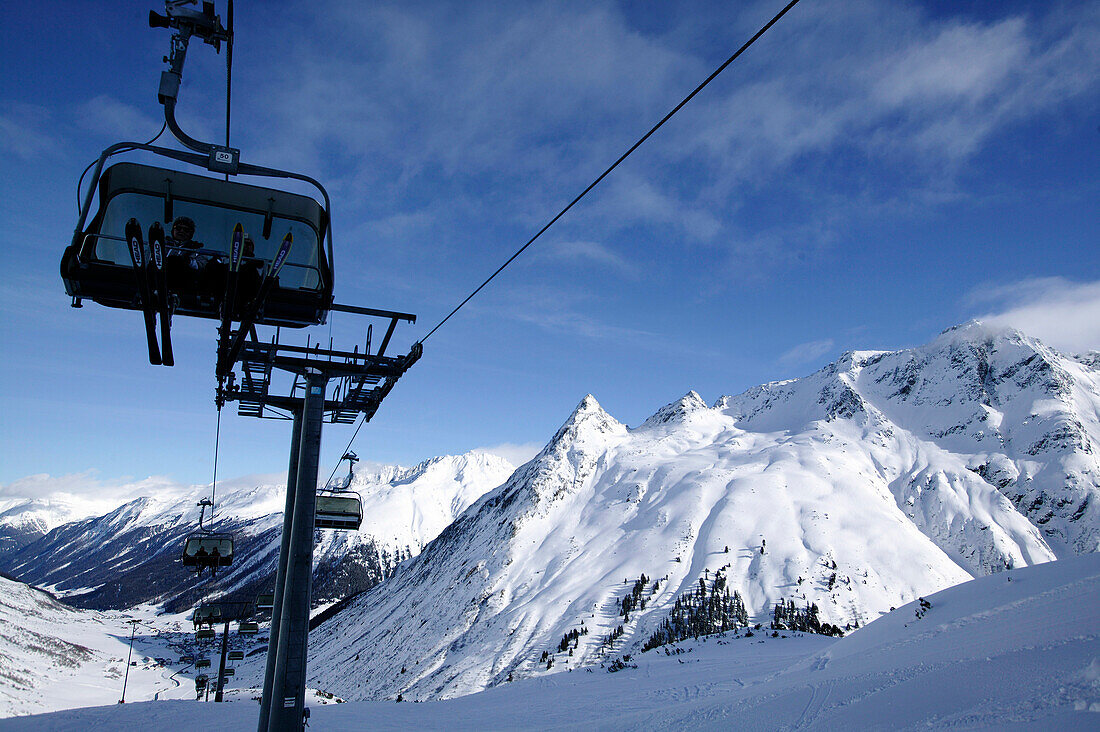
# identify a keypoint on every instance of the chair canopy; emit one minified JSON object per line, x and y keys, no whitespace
{"x":98,"y":266}
{"x":339,"y":512}
{"x":208,"y":550}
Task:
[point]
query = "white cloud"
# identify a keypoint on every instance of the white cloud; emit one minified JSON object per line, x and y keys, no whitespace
{"x":22,"y":132}
{"x":516,"y":454}
{"x":590,"y":252}
{"x":427,"y":120}
{"x":806,"y":352}
{"x":118,"y":120}
{"x":85,"y":494}
{"x":1061,"y":313}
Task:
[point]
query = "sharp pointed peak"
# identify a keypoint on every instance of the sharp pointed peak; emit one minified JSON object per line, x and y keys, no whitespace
{"x":689,"y":403}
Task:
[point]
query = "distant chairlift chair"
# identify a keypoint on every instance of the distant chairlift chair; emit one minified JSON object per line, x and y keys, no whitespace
{"x":343,"y":512}
{"x":206,"y":549}
{"x":265,"y":602}
{"x":248,"y":628}
{"x":338,"y":507}
{"x":206,"y":615}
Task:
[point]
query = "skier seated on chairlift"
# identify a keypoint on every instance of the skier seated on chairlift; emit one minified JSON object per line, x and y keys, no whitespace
{"x":213,"y":553}
{"x":183,"y":261}
{"x":250,"y":274}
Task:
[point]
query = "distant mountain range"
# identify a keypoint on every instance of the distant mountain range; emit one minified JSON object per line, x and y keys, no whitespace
{"x":882,"y":477}
{"x":131,"y":555}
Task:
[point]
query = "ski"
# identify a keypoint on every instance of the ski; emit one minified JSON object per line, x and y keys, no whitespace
{"x":229,"y":304}
{"x":164,"y":299}
{"x":271,"y":275}
{"x":228,"y":357}
{"x":137,"y":258}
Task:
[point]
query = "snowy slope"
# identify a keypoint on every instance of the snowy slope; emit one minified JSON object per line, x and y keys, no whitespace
{"x":880,"y":478}
{"x":1018,"y":650}
{"x":131,"y":554}
{"x":55,"y":657}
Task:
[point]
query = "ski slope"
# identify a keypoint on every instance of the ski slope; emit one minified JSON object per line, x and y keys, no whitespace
{"x":1015,"y":650}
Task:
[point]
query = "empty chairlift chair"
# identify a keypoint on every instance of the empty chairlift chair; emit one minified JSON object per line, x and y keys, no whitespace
{"x":230,"y":672}
{"x":341,"y":511}
{"x":265,"y":602}
{"x":202,"y":663}
{"x":248,"y":628}
{"x":236,"y":655}
{"x":204,"y":634}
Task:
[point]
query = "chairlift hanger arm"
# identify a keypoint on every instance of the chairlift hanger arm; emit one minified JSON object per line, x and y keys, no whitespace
{"x":186,"y":23}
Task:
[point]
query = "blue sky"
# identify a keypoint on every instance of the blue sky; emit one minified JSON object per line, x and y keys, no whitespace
{"x":867,"y":175}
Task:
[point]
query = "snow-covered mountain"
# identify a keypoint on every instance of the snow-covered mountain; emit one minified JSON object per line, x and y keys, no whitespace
{"x":1016,"y":650}
{"x":44,"y":643}
{"x":131,"y":555}
{"x":882,"y":477}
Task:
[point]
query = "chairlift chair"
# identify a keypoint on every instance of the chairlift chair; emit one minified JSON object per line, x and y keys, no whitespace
{"x":206,"y":615}
{"x":265,"y":601}
{"x":204,"y":634}
{"x":236,"y":655}
{"x":109,"y":263}
{"x":208,"y":550}
{"x":229,"y":672}
{"x":202,"y":663}
{"x":337,"y":506}
{"x":340,"y":511}
{"x":248,"y":628}
{"x":187,"y":659}
{"x":201,"y":680}
{"x":98,"y":266}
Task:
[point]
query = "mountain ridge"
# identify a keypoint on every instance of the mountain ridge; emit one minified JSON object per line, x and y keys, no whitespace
{"x":856,"y":488}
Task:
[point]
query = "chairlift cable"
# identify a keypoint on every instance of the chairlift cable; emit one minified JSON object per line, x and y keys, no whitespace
{"x":764,"y":29}
{"x":614,"y":165}
{"x":214,"y":482}
{"x":362,"y":421}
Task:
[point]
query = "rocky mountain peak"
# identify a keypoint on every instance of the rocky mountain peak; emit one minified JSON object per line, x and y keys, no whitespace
{"x":678,"y":410}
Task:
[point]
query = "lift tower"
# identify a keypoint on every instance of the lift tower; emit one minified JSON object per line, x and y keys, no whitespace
{"x":362,"y":380}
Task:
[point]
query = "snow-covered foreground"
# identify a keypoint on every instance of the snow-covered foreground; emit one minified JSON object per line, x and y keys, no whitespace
{"x":1016,"y":650}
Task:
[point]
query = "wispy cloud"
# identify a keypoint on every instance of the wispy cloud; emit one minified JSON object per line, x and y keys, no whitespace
{"x":22,"y":132}
{"x":527,"y":103}
{"x":109,"y":116}
{"x":805,"y":353}
{"x":1059,"y":312}
{"x":590,"y":252}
